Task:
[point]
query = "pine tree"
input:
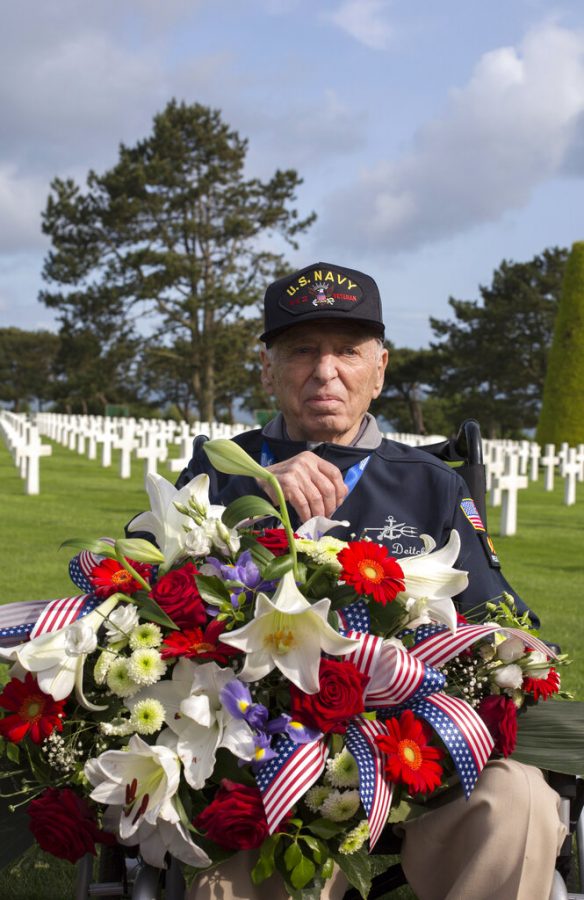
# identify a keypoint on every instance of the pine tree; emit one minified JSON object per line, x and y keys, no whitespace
{"x":562,"y":413}
{"x":174,"y":236}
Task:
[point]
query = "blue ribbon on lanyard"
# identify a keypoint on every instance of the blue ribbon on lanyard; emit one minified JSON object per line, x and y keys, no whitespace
{"x":350,"y":478}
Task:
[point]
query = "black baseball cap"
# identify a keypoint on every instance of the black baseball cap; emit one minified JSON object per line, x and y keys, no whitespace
{"x":322,"y":291}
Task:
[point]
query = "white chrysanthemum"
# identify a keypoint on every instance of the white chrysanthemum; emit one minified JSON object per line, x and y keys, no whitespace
{"x":119,"y":680}
{"x":148,"y":716}
{"x":342,"y":771}
{"x":146,"y":666}
{"x":315,"y":797}
{"x":340,"y":805}
{"x":120,"y":623}
{"x":102,"y":666}
{"x":355,"y":838}
{"x":145,"y":635}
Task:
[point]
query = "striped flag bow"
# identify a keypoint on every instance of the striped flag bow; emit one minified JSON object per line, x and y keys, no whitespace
{"x":398,"y":680}
{"x":31,"y":618}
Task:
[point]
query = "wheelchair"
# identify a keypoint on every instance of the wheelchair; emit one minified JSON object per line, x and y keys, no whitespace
{"x":133,"y":878}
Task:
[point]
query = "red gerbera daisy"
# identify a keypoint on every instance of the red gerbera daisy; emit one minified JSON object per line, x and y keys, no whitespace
{"x":33,"y":712}
{"x":194,"y":643}
{"x":109,"y":577}
{"x":542,"y":688}
{"x":371,"y":570}
{"x":409,"y":757}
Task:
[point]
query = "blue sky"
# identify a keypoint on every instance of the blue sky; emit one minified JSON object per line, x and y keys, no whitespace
{"x":434,"y":139}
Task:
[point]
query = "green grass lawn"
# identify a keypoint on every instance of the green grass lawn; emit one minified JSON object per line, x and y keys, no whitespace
{"x":79,"y":498}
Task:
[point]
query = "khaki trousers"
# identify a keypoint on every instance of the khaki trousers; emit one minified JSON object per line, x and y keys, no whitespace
{"x":501,"y":844}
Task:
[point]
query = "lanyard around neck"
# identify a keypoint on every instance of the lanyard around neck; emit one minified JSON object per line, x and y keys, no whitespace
{"x":350,"y":478}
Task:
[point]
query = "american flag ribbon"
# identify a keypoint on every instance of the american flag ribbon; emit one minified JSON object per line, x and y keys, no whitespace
{"x":21,"y":621}
{"x":375,"y":790}
{"x":284,"y":779}
{"x":82,"y":566}
{"x":436,"y":645}
{"x":463,"y":731}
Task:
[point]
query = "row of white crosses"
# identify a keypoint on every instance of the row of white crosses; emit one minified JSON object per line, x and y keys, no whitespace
{"x":510,"y":465}
{"x":147,"y":440}
{"x":24,"y":444}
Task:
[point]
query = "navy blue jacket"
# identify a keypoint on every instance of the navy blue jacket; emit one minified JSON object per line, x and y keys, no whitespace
{"x":403,"y":492}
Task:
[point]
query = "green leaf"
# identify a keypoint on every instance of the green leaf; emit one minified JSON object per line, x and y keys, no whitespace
{"x":212,"y":589}
{"x":139,"y":550}
{"x":228,"y":457}
{"x":149,"y":609}
{"x":248,"y":507}
{"x":262,"y":870}
{"x":260,"y":554}
{"x":550,"y":735}
{"x":278,"y":567}
{"x":357,"y":868}
{"x":328,"y":868}
{"x":325,"y":828}
{"x":303,"y":872}
{"x":319,"y":849}
{"x":12,"y":752}
{"x":292,"y":857}
{"x":100,"y":548}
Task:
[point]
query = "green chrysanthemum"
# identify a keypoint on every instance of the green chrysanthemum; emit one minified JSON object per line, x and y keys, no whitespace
{"x":324,"y":551}
{"x":146,"y":666}
{"x":355,"y":838}
{"x":145,"y":636}
{"x":342,"y":771}
{"x":119,"y":680}
{"x":103,"y":665}
{"x":340,"y":805}
{"x":315,"y":797}
{"x":147,"y":716}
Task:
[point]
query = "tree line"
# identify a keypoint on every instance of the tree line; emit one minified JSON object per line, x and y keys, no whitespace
{"x":156,"y":271}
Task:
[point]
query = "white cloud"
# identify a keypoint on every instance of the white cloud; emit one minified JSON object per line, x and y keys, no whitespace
{"x":365,"y":21}
{"x":21,"y":198}
{"x":508,"y":130}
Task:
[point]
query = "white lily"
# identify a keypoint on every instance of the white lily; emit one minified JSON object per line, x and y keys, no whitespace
{"x":157,"y":840}
{"x":175,"y":532}
{"x":288,"y":633}
{"x":313,"y":529}
{"x":49,"y":656}
{"x":197,"y":719}
{"x":431,"y":578}
{"x":140,"y":779}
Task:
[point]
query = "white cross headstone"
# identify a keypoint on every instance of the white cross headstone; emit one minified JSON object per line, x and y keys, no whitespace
{"x":496,"y":467}
{"x":571,"y":471}
{"x":534,"y":455}
{"x":549,"y":461}
{"x":509,"y":484}
{"x":106,"y":438}
{"x":33,"y":452}
{"x":126,"y":444}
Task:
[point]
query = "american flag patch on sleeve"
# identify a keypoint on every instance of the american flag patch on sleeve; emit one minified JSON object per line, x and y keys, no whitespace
{"x":471,"y":512}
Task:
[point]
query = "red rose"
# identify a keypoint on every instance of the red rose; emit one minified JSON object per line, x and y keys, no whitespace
{"x":339,"y":698}
{"x":177,"y":594}
{"x":499,"y":714}
{"x":235,"y":819}
{"x":64,"y":824}
{"x":275,"y":540}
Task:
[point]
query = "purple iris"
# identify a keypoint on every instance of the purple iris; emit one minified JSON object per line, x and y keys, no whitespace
{"x":296,"y":731}
{"x":245,"y":572}
{"x":263,"y":751}
{"x":236,"y":699}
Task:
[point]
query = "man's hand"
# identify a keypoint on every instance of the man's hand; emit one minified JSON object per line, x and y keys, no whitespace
{"x":311,"y":485}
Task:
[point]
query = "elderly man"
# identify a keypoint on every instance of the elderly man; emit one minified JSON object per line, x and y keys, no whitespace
{"x":324,"y":361}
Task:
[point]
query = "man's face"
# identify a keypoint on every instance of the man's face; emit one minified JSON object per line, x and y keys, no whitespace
{"x":324,"y":376}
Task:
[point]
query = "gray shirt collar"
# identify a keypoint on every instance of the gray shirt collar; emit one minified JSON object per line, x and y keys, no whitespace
{"x":368,"y":437}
